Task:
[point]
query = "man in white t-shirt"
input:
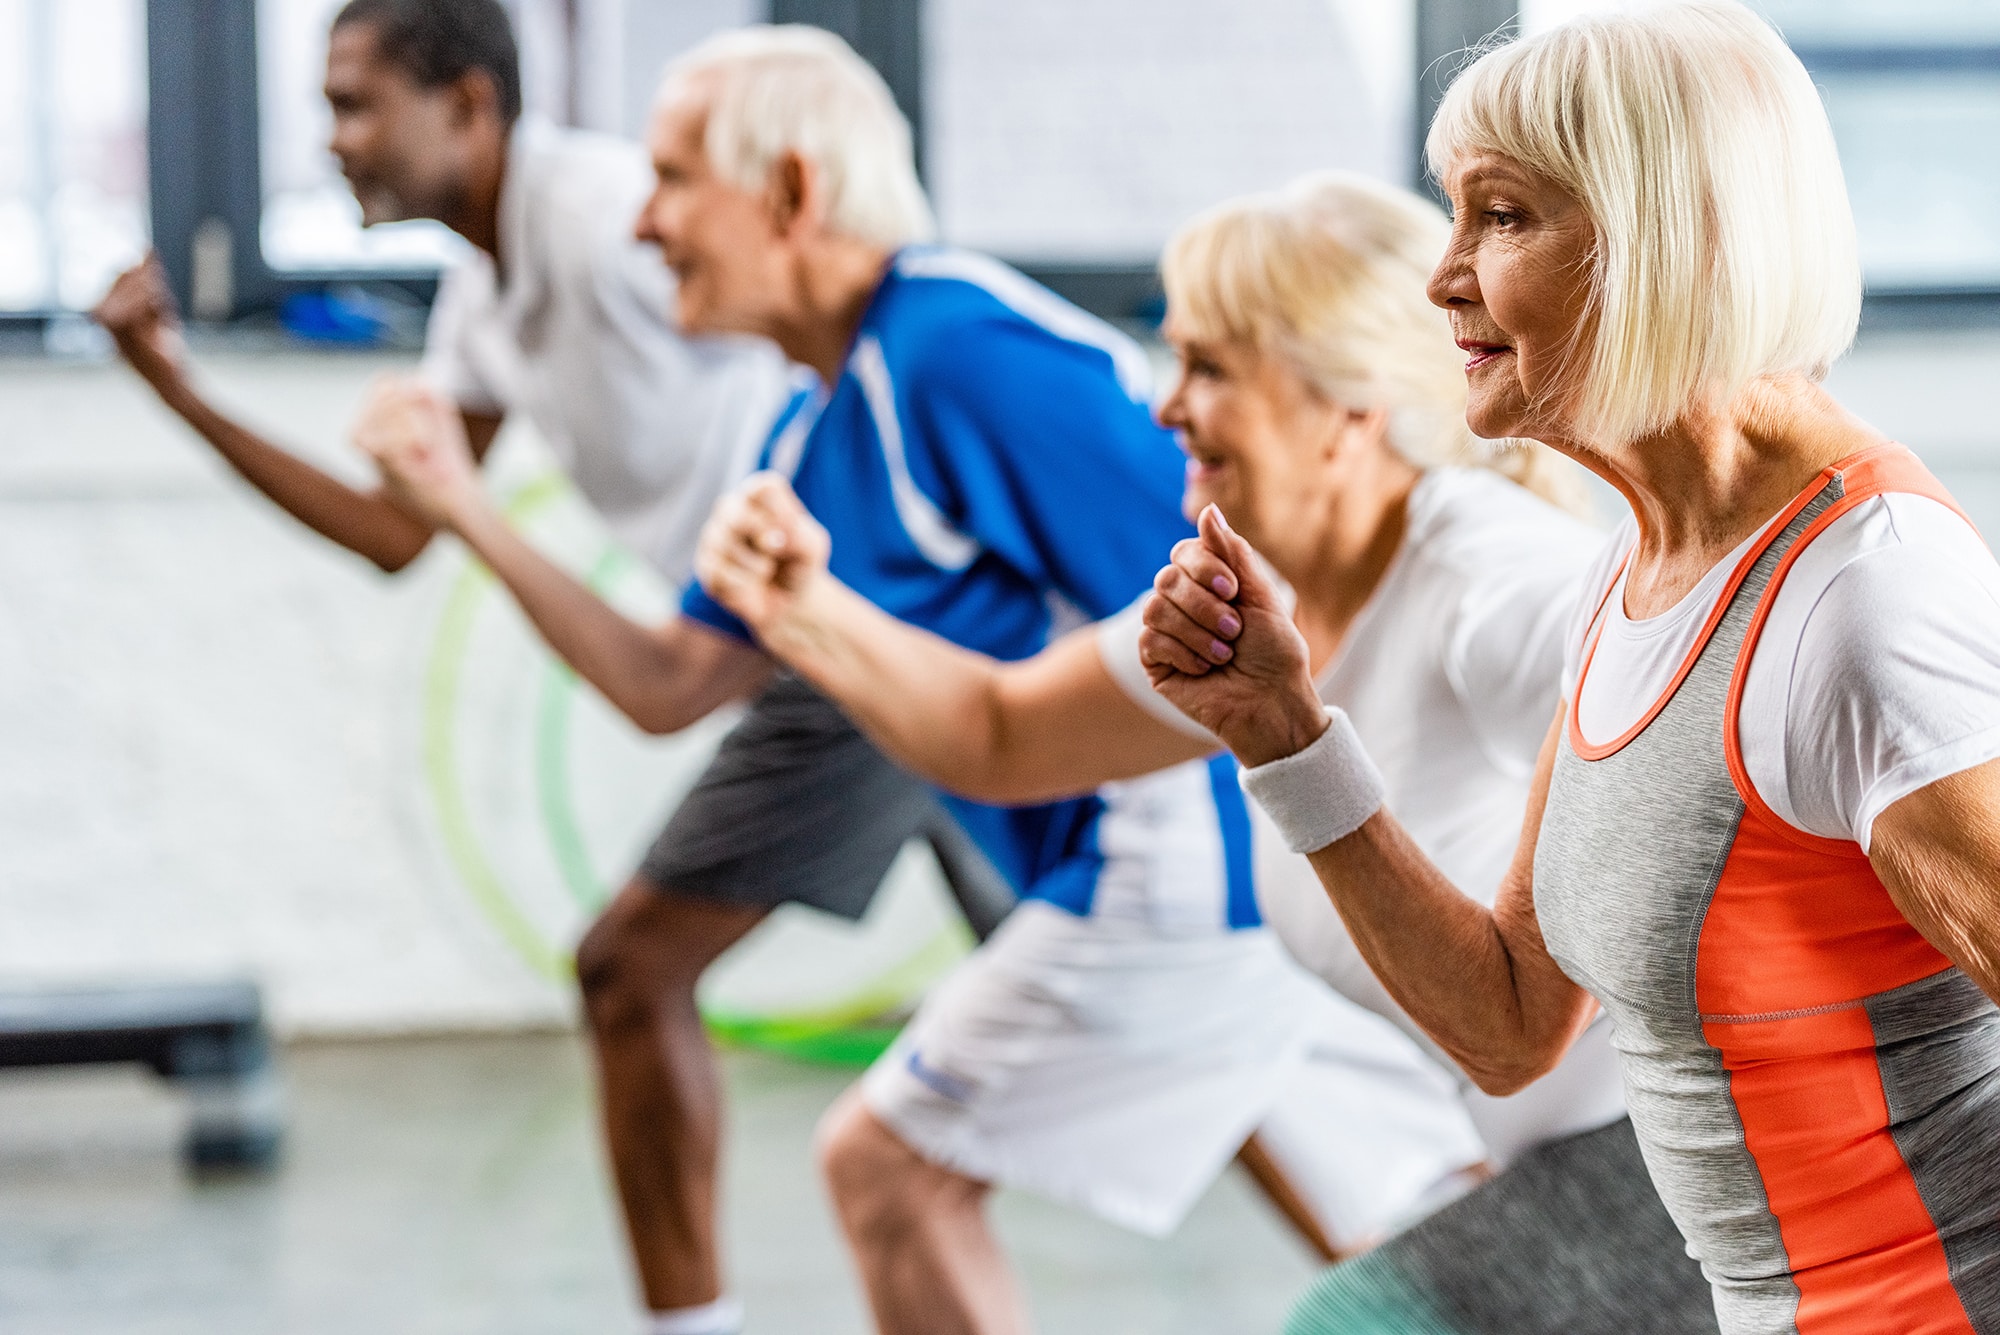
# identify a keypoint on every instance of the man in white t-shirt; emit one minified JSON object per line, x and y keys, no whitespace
{"x":563,"y":315}
{"x":558,"y":313}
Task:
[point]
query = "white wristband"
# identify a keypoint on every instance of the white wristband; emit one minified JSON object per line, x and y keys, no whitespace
{"x":1323,"y":793}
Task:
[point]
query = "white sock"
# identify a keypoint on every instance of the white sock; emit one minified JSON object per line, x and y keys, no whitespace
{"x":724,"y":1316}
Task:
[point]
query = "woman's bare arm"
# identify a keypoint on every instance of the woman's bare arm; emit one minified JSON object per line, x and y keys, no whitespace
{"x":1051,"y":726}
{"x":1221,"y":646}
{"x":1479,"y":981}
{"x":1938,"y":854}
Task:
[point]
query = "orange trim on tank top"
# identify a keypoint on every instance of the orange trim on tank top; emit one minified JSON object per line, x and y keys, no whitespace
{"x":1774,"y":529}
{"x":1873,"y":472}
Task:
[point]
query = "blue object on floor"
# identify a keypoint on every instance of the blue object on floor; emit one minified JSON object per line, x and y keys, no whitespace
{"x":337,"y":315}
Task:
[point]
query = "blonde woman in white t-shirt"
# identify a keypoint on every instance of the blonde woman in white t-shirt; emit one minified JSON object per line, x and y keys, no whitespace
{"x":1321,"y":405}
{"x":1765,"y":836}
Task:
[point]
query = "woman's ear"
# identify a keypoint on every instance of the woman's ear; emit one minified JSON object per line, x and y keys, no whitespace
{"x":1364,"y":429}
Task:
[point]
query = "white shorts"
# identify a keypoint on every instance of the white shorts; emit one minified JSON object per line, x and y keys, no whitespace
{"x":1585,"y":1091}
{"x":1106,"y":1065}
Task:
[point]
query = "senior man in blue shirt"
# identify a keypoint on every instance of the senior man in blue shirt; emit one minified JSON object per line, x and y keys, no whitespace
{"x":985,"y":458}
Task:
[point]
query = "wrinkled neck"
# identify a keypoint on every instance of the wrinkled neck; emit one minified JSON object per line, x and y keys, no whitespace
{"x":1336,"y":562}
{"x":1701,"y":486}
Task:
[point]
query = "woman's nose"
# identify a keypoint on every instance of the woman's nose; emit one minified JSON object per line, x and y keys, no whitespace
{"x":1451,"y":284}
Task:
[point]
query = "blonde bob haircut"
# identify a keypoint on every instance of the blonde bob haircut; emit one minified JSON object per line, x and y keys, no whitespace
{"x":1329,"y":276}
{"x":774,"y":89}
{"x":1697,"y":144}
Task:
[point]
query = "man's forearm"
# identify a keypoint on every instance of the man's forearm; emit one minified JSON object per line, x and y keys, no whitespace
{"x":925,"y":701}
{"x":364,"y":522}
{"x":1052,"y":726}
{"x":663,"y":680}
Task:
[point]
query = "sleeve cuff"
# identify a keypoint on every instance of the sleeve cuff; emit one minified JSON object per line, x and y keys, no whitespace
{"x":1118,"y":649}
{"x":696,"y":605}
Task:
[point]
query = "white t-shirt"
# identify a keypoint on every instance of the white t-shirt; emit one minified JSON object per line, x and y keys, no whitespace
{"x":1450,"y":675}
{"x":1878,"y":671}
{"x":652,"y":425}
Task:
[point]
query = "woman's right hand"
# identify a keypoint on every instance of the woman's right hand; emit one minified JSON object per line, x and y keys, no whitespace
{"x":761,"y":552}
{"x":1220,"y":645}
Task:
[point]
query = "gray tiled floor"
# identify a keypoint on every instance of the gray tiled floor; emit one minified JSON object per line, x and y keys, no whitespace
{"x":434,"y":1187}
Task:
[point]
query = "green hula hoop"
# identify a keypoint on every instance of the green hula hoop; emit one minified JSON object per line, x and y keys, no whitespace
{"x":852,"y":1033}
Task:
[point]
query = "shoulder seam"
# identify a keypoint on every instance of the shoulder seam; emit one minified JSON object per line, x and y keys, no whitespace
{"x":1036,"y":304}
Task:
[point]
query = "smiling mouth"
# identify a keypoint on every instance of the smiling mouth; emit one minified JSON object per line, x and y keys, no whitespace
{"x":1480,"y":353}
{"x":1201,"y":467}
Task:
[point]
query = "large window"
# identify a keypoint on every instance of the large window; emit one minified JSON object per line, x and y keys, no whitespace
{"x":72,"y":149}
{"x":1089,"y":130}
{"x":1080,"y":132}
{"x":1913,"y":90}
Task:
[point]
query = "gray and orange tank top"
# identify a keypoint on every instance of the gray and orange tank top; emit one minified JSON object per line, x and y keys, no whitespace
{"x":1816,"y":1088}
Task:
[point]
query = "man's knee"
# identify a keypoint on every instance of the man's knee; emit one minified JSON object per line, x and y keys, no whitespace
{"x":647,"y":950}
{"x":879,"y":1184}
{"x":848,"y":1146}
{"x":610,"y":958}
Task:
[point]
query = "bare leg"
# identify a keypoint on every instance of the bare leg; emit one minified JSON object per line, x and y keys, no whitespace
{"x":661,"y":1092}
{"x":1286,"y":1198}
{"x":918,"y":1233}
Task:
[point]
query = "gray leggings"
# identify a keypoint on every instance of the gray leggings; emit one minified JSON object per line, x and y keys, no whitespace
{"x":1570,"y":1240}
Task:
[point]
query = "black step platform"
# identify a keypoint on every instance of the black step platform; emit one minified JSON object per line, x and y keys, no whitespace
{"x":207,"y":1039}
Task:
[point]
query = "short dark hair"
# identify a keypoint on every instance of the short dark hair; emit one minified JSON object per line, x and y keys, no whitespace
{"x":437,"y":41}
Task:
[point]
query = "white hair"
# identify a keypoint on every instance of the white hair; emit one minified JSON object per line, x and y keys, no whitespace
{"x":1329,"y":275}
{"x":1696,"y":142}
{"x":774,"y":89}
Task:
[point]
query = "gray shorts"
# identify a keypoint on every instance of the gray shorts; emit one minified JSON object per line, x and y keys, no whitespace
{"x":798,"y":807}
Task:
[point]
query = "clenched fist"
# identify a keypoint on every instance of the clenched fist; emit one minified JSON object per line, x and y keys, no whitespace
{"x":138,"y":312}
{"x":417,"y":438}
{"x":761,"y":552}
{"x":1220,"y":645}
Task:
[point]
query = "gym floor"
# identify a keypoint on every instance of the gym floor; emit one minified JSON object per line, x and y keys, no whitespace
{"x":455,"y":1184}
{"x":439,"y":1186}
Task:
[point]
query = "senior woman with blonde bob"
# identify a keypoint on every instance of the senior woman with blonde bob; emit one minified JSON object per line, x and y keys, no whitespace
{"x":1765,"y":835}
{"x":1321,"y":406}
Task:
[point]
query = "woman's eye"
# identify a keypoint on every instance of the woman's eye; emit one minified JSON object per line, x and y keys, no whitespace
{"x":1502,"y":218}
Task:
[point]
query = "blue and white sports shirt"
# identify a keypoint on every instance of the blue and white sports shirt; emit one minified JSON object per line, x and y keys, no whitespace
{"x":989,"y":469}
